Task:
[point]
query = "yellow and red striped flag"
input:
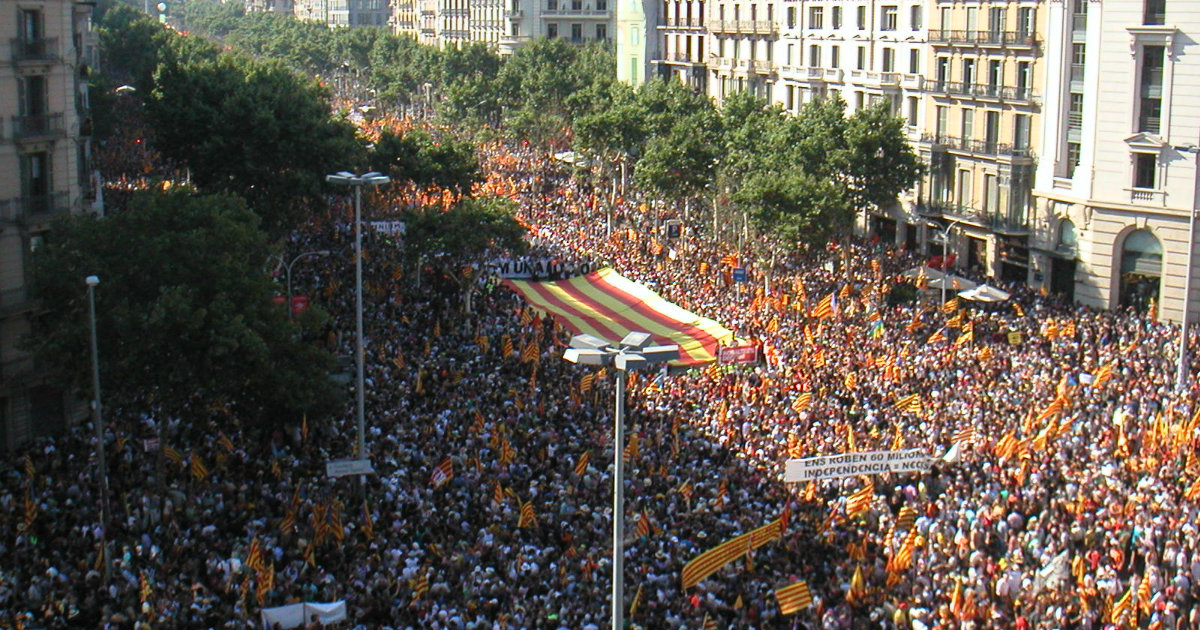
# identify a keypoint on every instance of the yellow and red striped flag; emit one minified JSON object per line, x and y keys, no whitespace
{"x":631,"y":448}
{"x":967,"y":335}
{"x":637,"y":599}
{"x":585,"y":383}
{"x":581,"y":464}
{"x":1143,"y":595}
{"x":225,"y":442}
{"x":858,"y":587}
{"x":507,"y":346}
{"x":30,"y":471}
{"x":173,"y":455}
{"x":824,"y":308}
{"x":442,"y":473}
{"x":709,"y":623}
{"x":1103,"y":375}
{"x":1123,"y":607}
{"x":859,"y":502}
{"x":530,"y":352}
{"x":528,"y":518}
{"x":420,"y":586}
{"x":368,"y":527}
{"x":951,"y":306}
{"x":31,"y":509}
{"x":802,"y":402}
{"x":144,"y":590}
{"x":199,"y":470}
{"x":910,"y":403}
{"x":793,"y":598}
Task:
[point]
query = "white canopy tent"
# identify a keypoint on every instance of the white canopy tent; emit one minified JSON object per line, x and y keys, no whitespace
{"x":984,"y":293}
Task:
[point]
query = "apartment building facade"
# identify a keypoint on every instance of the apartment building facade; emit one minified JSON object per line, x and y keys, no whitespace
{"x":343,"y":13}
{"x":44,"y":173}
{"x":1116,"y":186}
{"x":504,"y":24}
{"x":982,"y":124}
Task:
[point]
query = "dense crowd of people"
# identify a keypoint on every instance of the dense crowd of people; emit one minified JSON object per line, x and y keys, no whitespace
{"x":477,"y":516}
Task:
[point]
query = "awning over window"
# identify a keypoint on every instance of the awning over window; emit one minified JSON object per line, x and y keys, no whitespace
{"x":607,"y":305}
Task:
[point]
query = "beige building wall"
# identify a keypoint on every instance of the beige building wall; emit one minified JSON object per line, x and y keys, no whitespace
{"x":49,"y":50}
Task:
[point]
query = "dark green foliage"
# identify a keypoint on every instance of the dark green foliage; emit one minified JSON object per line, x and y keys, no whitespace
{"x":184,"y":311}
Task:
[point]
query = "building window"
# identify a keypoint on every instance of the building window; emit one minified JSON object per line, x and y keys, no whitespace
{"x":996,"y":21}
{"x":602,"y":33}
{"x":35,"y":178}
{"x":1073,"y":153}
{"x":814,"y":56}
{"x":1145,"y":170}
{"x":914,"y":61}
{"x":968,"y":124}
{"x":1025,"y":21}
{"x":991,"y":193}
{"x":791,"y":17}
{"x":964,"y":188}
{"x":887,"y":21}
{"x":942,"y":122}
{"x":835,"y":56}
{"x":31,"y":26}
{"x":889,"y":60}
{"x":576,"y":5}
{"x":551,"y":30}
{"x":968,"y":72}
{"x":1150,"y":113}
{"x":943,"y":71}
{"x":914,"y":17}
{"x":861,"y":61}
{"x":1021,"y":132}
{"x":913,"y":105}
{"x":551,"y":5}
{"x":577,"y":33}
{"x":944,"y":17}
{"x":861,"y":18}
{"x":835,"y":17}
{"x":972,"y":18}
{"x":1155,"y":12}
{"x":816,"y":16}
{"x":602,"y":5}
{"x":859,"y":100}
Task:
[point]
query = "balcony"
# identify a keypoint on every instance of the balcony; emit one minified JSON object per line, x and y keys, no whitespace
{"x":977,"y":147}
{"x":743,"y":27}
{"x":973,"y":90}
{"x":576,"y":13}
{"x":43,"y":49}
{"x":983,"y":38}
{"x":760,"y":66}
{"x":695,"y":25}
{"x":514,"y":14}
{"x":13,"y":301}
{"x":37,"y":127}
{"x":34,"y":209}
{"x":876,"y":79}
{"x":811,"y":73}
{"x":681,"y":57}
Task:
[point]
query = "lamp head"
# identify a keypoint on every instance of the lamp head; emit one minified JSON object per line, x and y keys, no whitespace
{"x":636,"y":340}
{"x":584,"y":356}
{"x":92,"y":280}
{"x":590,"y":342}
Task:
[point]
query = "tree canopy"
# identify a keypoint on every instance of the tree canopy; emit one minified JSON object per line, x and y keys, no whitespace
{"x":184,"y":311}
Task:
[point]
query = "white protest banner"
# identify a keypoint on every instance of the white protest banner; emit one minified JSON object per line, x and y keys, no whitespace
{"x":543,"y":269}
{"x":851,"y":464}
{"x":389,"y":227}
{"x":296,"y":615}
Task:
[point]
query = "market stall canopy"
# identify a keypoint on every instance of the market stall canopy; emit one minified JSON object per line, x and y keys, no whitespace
{"x":609,"y":306}
{"x":984,"y":293}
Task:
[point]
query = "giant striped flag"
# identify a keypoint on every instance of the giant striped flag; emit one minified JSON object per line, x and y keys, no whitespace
{"x":794,"y":597}
{"x":608,"y":306}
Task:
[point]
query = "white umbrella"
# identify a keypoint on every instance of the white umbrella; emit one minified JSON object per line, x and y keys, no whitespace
{"x":985,"y":293}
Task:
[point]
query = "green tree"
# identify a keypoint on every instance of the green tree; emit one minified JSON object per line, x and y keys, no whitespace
{"x":184,"y":311}
{"x":796,"y":207}
{"x":131,"y":45}
{"x":877,"y":162}
{"x":252,"y":128}
{"x":466,"y":232}
{"x":681,"y":164}
{"x":448,"y":163}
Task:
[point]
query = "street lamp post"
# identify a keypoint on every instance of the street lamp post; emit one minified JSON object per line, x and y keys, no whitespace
{"x":945,"y":250}
{"x":92,"y":281}
{"x":631,"y":353}
{"x":1182,"y":369}
{"x":288,"y":269}
{"x":358,"y":181}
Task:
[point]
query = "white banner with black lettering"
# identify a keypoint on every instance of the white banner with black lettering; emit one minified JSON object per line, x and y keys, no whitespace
{"x":851,"y":464}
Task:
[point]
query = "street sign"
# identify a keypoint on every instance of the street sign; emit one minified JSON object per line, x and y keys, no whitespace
{"x":739,"y":354}
{"x":674,"y":229}
{"x":347,"y":467}
{"x":739,"y":274}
